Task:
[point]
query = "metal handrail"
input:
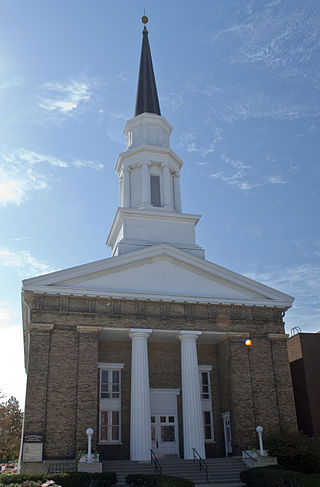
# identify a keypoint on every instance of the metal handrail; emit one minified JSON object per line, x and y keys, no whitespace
{"x":250,"y":456}
{"x":202,"y":463}
{"x":157,"y":466}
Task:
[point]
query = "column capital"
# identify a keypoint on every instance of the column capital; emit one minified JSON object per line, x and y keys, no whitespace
{"x":189,"y":335}
{"x":278,"y":336}
{"x":165,"y":164}
{"x":125,"y":169}
{"x":136,"y":333}
{"x":144,"y":163}
{"x":39,"y":327}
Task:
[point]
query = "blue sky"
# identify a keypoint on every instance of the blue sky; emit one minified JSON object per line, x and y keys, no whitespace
{"x":238,"y":80}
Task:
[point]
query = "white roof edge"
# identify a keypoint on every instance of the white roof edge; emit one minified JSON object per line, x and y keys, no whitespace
{"x":157,"y":297}
{"x":130,"y":257}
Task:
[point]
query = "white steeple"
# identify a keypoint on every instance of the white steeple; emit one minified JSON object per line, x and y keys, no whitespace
{"x":149,"y":177}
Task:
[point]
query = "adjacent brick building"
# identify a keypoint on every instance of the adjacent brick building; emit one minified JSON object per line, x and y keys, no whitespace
{"x":148,"y":347}
{"x":304,"y":357}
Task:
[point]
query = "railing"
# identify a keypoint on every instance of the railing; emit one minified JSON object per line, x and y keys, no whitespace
{"x":245,"y":453}
{"x":157,"y":466}
{"x":202,"y":464}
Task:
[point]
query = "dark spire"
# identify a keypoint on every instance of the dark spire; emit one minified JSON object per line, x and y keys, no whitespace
{"x":147,"y":96}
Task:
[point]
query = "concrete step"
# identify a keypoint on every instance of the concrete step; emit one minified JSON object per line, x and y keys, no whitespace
{"x":220,"y":470}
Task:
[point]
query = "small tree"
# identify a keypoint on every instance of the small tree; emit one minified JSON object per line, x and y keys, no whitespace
{"x":10,"y":428}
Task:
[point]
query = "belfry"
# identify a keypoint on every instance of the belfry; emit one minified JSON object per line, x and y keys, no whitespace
{"x":149,"y":346}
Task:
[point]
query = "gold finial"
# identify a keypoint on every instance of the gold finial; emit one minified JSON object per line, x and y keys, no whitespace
{"x":144,"y":19}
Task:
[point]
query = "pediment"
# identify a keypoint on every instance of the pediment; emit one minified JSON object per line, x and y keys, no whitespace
{"x":159,"y":272}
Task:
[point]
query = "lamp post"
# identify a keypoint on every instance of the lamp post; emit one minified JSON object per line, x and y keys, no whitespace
{"x":89,"y":432}
{"x":259,"y":430}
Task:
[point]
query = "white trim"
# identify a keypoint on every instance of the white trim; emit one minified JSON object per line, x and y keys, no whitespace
{"x":174,"y":392}
{"x":105,"y":365}
{"x":205,"y":368}
{"x":264,"y":295}
{"x":206,"y":404}
{"x":110,"y":442}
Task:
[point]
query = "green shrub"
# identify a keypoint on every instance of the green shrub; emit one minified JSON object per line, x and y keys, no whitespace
{"x":30,"y":483}
{"x":268,"y":477}
{"x":138,"y":480}
{"x":311,"y":480}
{"x":19,"y":479}
{"x":75,"y":479}
{"x":294,"y":451}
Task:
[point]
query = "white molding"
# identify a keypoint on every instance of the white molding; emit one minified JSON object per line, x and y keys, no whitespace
{"x":205,"y":368}
{"x":157,"y":391}
{"x":105,"y":365}
{"x":263,"y":295}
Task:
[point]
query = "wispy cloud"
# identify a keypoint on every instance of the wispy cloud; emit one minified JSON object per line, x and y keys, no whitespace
{"x":90,"y":164}
{"x":23,"y":171}
{"x":23,"y":263}
{"x":279,"y":35}
{"x":28,"y":237}
{"x":188,"y":141}
{"x":64,"y":97}
{"x":301,"y":281}
{"x":235,"y":174}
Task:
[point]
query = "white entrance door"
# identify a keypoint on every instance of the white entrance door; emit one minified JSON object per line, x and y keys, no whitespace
{"x":164,"y":421}
{"x":164,"y":434}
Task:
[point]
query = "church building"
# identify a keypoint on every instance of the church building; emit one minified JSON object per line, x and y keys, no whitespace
{"x":150,"y":346}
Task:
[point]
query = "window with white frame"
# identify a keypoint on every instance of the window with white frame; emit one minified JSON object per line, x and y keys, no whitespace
{"x":206,"y":401}
{"x":110,"y":384}
{"x":205,"y":385}
{"x":110,"y":402}
{"x":110,"y":426}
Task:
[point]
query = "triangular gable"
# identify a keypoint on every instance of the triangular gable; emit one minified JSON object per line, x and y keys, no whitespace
{"x":159,"y":272}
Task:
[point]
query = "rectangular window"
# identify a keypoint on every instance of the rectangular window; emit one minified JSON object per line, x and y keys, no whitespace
{"x":207,"y":424}
{"x":205,"y":385}
{"x":110,"y":426}
{"x":206,"y":401}
{"x":110,"y":384}
{"x":110,"y":402}
{"x":155,"y":190}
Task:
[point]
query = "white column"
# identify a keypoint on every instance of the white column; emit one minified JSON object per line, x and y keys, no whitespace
{"x":176,"y":192}
{"x":193,"y":435}
{"x":140,"y":429}
{"x":145,"y":183}
{"x":126,"y":188}
{"x":121,"y":188}
{"x":167,"y":189}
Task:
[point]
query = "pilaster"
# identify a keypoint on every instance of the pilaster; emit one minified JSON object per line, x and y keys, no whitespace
{"x":283,"y":382}
{"x":243,"y":421}
{"x":145,"y":184}
{"x":167,"y":189}
{"x":87,"y":385}
{"x":39,"y":336}
{"x":176,"y":192}
{"x":126,"y":194}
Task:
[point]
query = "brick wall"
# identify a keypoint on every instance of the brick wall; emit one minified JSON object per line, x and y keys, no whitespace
{"x":304,"y":356}
{"x":62,"y":391}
